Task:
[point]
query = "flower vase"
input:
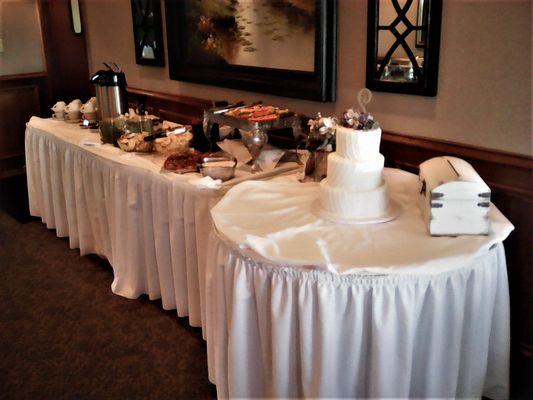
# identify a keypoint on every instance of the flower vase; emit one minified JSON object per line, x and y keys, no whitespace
{"x":316,"y":166}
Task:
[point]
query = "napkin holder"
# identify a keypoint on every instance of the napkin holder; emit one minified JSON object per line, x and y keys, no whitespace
{"x":454,"y":200}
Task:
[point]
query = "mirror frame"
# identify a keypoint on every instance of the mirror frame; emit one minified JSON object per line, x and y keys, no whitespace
{"x":427,"y":86}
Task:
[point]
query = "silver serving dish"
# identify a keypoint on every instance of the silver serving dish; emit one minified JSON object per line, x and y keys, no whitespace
{"x":219,"y":165}
{"x":254,"y":133}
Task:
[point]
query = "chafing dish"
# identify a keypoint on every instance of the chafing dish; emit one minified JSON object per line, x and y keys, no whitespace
{"x":254,"y":133}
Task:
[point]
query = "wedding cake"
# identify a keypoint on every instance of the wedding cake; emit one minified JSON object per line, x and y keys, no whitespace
{"x":354,"y":188}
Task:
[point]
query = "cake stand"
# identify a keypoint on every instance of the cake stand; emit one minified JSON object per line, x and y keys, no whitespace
{"x":393,"y":212}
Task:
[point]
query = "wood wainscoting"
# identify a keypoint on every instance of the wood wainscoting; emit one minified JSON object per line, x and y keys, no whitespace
{"x":181,"y":109}
{"x":509,"y":176}
{"x":21,"y":96}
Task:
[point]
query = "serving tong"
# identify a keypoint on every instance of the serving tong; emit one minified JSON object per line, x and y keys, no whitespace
{"x":217,"y":157}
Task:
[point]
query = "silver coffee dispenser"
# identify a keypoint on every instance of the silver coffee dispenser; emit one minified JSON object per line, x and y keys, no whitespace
{"x":110,"y":86}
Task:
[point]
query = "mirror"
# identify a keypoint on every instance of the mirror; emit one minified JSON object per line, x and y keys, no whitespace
{"x":403,"y":46}
{"x":147,"y":32}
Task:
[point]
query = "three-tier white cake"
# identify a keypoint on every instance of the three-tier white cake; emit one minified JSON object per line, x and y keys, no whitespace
{"x":354,"y":188}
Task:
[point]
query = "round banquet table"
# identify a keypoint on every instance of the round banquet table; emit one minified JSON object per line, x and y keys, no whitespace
{"x":302,"y":307}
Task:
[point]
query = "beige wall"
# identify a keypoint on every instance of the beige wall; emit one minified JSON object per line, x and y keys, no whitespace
{"x":485,"y":84}
{"x":20,"y":31}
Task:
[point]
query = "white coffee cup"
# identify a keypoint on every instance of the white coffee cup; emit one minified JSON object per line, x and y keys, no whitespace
{"x":74,"y":105}
{"x":59,"y":115}
{"x":88,"y":107}
{"x":93,"y":100}
{"x":72,"y":116}
{"x":59,"y":106}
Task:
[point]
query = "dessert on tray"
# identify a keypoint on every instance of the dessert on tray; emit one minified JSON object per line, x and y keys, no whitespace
{"x":354,"y":188}
{"x":258,"y":113}
{"x":183,"y":162}
{"x":218,"y":165}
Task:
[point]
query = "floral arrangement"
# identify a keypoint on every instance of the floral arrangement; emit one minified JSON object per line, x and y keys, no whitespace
{"x":322,"y":133}
{"x":362,"y":121}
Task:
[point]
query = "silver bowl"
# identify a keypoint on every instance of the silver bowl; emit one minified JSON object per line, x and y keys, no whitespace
{"x":219,"y":166}
{"x":222,"y":173}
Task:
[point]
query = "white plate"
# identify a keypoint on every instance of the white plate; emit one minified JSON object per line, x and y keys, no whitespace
{"x":394,"y":211}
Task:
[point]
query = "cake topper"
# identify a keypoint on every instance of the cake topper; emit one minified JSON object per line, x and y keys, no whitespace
{"x":363,"y":98}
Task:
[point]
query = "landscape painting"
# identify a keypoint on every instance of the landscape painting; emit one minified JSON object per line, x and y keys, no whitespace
{"x":282,"y":47}
{"x":261,"y":33}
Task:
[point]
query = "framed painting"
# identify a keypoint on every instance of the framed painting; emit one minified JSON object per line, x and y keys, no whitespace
{"x":148,"y":32}
{"x":281,"y":47}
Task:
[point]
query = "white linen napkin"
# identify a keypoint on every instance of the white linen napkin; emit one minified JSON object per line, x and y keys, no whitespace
{"x":269,"y":158}
{"x":237,"y":149}
{"x":225,"y":130}
{"x":206,"y":183}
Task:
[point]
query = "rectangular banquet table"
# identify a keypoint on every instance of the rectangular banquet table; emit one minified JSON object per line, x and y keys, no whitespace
{"x":152,"y":227}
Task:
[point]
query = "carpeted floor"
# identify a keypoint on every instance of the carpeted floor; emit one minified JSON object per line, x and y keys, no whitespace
{"x":64,"y":335}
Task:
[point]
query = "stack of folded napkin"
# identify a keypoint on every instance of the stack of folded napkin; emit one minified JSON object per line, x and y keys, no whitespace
{"x":268,"y":159}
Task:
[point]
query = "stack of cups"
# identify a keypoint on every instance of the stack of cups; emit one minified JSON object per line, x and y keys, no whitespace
{"x":89,"y":110}
{"x":72,"y":111}
{"x":59,"y":111}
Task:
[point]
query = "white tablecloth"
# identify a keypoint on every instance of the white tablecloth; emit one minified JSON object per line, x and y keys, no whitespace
{"x":271,"y":330}
{"x":421,"y":328}
{"x":280,"y":222}
{"x":152,"y":227}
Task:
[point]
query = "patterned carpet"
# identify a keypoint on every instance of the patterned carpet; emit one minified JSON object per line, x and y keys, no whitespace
{"x":64,"y":335}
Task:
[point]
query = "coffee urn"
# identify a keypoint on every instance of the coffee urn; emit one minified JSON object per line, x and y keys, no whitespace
{"x":110,"y":86}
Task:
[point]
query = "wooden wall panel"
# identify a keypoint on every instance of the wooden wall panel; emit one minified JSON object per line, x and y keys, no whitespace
{"x":24,"y":95}
{"x":181,"y":109}
{"x":17,"y":105}
{"x":21,"y":96}
{"x":65,"y":52}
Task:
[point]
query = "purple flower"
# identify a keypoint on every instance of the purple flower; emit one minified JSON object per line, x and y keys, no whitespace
{"x":363,"y":118}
